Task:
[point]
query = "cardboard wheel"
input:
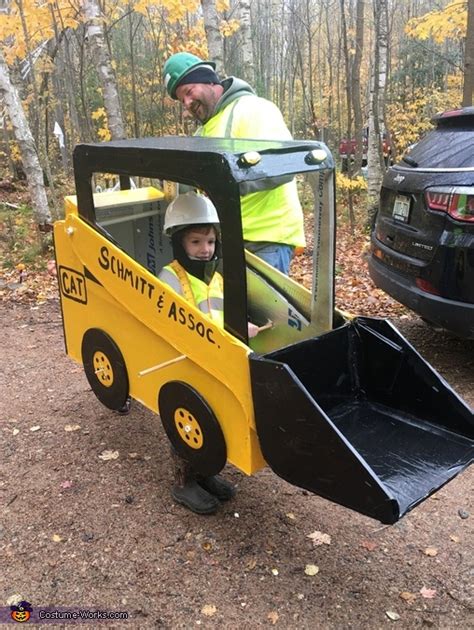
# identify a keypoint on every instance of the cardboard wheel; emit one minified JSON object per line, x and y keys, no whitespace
{"x":192,"y":428}
{"x":105,"y":368}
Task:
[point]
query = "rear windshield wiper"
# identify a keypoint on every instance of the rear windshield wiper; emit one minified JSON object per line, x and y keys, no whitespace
{"x":410,"y":161}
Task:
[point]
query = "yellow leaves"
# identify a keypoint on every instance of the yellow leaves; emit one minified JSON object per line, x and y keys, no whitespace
{"x":345,"y":184}
{"x":409,"y":119}
{"x":177,"y":9}
{"x":98,"y":113}
{"x":103,"y":132}
{"x":407,"y":596}
{"x":229,"y":27}
{"x":447,"y":23}
{"x":209,"y":610}
{"x":222,"y":5}
{"x":273,"y":616}
{"x":39,"y":21}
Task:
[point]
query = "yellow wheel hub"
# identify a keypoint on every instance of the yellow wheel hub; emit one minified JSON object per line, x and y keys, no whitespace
{"x":188,"y":428}
{"x":103,"y":368}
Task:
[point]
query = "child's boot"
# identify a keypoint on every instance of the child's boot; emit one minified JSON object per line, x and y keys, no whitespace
{"x":187,"y":491}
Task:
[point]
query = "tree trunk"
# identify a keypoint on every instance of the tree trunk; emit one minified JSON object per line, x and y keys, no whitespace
{"x":24,"y":137}
{"x":245,"y":38}
{"x":355,"y":86}
{"x":215,"y":44}
{"x":468,"y":89}
{"x":98,"y":46}
{"x":376,"y":112}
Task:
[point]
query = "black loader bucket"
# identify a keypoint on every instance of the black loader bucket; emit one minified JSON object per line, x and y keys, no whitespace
{"x":358,"y":417}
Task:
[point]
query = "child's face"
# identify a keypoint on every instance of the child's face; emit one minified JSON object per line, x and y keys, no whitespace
{"x":199,"y":244}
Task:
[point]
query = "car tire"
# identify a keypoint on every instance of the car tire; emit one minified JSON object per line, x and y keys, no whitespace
{"x":105,"y":368}
{"x":192,"y":428}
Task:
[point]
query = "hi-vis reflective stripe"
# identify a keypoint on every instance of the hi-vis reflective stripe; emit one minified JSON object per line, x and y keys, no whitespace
{"x":230,"y":119}
{"x":171,"y":280}
{"x":212,"y":304}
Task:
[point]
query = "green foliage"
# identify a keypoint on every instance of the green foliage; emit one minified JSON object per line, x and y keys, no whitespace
{"x":20,"y":241}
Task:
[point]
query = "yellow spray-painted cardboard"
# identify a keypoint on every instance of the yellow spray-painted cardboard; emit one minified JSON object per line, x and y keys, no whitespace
{"x":102,"y":287}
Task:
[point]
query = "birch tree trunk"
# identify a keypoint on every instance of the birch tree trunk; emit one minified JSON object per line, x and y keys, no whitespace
{"x":24,"y":137}
{"x":375,"y":160}
{"x":246,"y":46}
{"x":355,"y":86}
{"x":468,"y":89}
{"x":98,"y":47}
{"x":215,"y":44}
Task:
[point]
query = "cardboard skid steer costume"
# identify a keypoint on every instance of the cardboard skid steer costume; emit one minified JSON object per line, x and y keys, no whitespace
{"x":344,"y":408}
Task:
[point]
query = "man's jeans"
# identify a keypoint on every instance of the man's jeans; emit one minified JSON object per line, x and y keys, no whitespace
{"x":277,"y":255}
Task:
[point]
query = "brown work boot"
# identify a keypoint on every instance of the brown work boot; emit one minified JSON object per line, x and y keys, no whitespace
{"x":218,"y":487}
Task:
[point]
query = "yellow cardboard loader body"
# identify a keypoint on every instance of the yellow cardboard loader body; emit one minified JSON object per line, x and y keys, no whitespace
{"x":329,"y":404}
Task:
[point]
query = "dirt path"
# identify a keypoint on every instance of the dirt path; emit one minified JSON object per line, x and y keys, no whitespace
{"x":79,"y":531}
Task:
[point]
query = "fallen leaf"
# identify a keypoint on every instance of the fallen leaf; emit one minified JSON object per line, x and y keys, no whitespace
{"x":16,"y":431}
{"x":427,"y":593}
{"x":319,"y":538}
{"x":209,"y":610}
{"x":291,"y":516}
{"x":407,"y":596}
{"x":72,"y":427}
{"x":207,"y":546}
{"x":311,"y":569}
{"x":273,"y":616}
{"x":56,"y":538}
{"x":431,"y":551}
{"x":106,"y":455}
{"x":392,"y":615}
{"x":370,"y":545}
{"x":455,"y":539}
{"x":36,"y":428}
{"x":251,"y":564}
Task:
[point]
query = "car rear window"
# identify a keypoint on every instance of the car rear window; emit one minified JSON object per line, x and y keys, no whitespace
{"x":448,"y":146}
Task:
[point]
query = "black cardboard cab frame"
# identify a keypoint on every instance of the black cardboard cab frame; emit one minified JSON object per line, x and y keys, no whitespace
{"x":345,"y":408}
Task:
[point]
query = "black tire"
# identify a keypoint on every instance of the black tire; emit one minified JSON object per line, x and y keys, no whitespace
{"x":105,"y":368}
{"x":192,"y":428}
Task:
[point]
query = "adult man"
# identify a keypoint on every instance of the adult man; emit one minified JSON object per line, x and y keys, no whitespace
{"x":272,"y":217}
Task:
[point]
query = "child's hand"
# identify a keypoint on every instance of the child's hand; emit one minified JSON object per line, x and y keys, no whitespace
{"x":253,"y":330}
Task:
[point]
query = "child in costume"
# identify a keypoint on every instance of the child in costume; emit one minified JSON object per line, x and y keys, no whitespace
{"x":192,"y":223}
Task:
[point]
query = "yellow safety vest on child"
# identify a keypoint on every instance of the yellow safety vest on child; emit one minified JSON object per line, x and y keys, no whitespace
{"x":208,"y":298}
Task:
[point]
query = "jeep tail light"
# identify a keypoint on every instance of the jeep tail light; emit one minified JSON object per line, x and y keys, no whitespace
{"x":457,"y":202}
{"x":425,"y":285}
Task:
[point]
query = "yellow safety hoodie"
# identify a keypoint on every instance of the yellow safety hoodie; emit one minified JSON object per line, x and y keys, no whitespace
{"x":209,"y":299}
{"x":269,"y":215}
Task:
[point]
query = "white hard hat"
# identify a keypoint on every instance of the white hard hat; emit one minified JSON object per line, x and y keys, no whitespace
{"x":189,"y":209}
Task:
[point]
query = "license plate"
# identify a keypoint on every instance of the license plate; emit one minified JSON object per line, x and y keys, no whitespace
{"x":401,"y":208}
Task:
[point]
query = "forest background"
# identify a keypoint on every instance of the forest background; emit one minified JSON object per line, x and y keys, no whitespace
{"x":86,"y":71}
